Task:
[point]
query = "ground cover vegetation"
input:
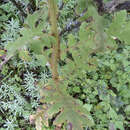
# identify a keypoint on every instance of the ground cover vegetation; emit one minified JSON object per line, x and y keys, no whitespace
{"x":64,"y":65}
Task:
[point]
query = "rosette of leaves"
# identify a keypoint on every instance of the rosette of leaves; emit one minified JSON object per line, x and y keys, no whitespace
{"x":63,"y":107}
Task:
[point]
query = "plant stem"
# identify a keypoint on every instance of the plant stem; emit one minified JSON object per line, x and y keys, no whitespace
{"x":54,"y":32}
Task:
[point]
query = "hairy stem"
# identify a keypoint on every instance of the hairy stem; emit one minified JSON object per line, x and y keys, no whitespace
{"x":54,"y":32}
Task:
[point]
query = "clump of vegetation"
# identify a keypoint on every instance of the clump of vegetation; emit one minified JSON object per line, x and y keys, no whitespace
{"x":104,"y":90}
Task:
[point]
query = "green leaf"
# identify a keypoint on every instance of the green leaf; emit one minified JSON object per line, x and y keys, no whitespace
{"x":41,"y":60}
{"x":37,"y":46}
{"x":24,"y":55}
{"x":112,"y":114}
{"x":119,"y":125}
{"x":83,"y":33}
{"x":76,"y":89}
{"x":71,"y":40}
{"x":82,"y":4}
{"x":14,"y":46}
{"x":117,"y":23}
{"x":88,"y":107}
{"x":124,"y":33}
{"x":120,"y":28}
{"x":127,"y":110}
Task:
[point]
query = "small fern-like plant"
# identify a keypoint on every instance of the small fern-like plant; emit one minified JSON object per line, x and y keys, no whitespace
{"x":57,"y":103}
